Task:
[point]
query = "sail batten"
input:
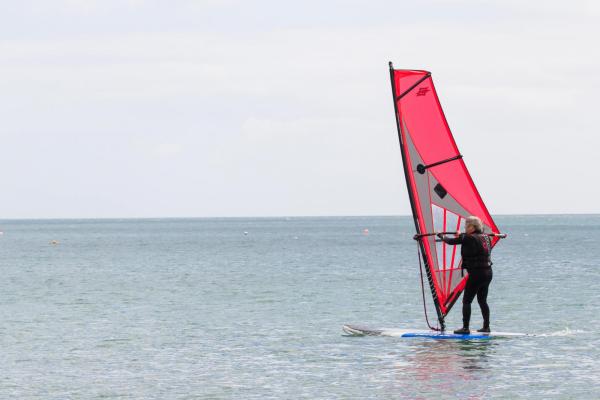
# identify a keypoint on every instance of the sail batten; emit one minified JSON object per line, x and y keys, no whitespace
{"x":440,"y":188}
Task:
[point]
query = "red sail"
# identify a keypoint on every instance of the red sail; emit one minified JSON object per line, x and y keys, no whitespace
{"x":441,"y":190}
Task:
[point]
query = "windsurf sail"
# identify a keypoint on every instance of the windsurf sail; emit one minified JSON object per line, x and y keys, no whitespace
{"x":441,"y":191}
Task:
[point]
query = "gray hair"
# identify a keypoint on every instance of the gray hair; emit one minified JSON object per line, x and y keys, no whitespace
{"x":475,"y":222}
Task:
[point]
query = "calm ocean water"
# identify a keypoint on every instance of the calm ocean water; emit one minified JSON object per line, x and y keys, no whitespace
{"x":196,"y":309}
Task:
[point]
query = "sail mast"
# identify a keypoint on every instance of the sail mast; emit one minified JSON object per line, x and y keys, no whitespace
{"x":406,"y":168}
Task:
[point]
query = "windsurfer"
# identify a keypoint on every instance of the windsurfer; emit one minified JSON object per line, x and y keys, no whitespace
{"x":475,"y":251}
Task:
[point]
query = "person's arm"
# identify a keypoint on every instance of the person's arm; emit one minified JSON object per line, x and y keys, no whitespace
{"x":453,"y":241}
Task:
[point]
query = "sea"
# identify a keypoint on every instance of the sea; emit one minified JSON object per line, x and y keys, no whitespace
{"x":253,"y":308}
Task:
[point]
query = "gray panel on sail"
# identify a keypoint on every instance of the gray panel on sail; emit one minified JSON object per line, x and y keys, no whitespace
{"x":423,"y":190}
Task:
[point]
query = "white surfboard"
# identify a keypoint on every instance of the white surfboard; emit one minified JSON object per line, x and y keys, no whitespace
{"x":358,"y":330}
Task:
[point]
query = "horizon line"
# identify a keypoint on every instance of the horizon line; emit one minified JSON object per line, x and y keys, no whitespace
{"x":275,"y":216}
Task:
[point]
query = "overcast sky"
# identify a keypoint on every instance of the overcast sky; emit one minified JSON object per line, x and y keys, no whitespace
{"x":264,"y":108}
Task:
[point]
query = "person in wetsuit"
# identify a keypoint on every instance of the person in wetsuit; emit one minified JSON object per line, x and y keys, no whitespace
{"x":476,"y":248}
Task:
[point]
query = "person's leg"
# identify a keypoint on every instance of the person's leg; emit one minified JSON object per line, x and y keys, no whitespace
{"x":482,"y":294}
{"x":468,"y":296}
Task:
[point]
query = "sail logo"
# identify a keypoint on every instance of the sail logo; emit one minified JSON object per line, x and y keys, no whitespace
{"x":423,"y":91}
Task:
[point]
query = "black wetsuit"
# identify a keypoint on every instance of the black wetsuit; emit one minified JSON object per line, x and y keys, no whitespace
{"x":475,"y":251}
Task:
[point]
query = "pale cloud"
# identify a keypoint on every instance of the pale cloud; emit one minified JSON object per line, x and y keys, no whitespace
{"x":152,"y":147}
{"x":167,"y":150}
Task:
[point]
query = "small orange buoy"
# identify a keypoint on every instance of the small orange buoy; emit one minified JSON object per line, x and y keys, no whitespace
{"x":365,"y":231}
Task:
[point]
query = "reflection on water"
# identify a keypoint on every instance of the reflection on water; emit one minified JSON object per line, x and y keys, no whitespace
{"x":443,"y":367}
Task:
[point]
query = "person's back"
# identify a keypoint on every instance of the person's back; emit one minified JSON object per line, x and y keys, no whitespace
{"x":475,"y":251}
